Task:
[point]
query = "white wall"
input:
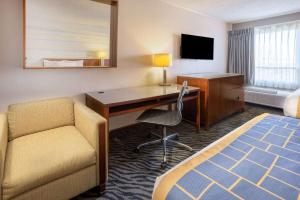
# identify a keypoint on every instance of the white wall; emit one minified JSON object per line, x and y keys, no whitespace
{"x":145,"y":27}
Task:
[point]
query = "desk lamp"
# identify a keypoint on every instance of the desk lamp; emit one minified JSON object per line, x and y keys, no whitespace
{"x":163,"y":60}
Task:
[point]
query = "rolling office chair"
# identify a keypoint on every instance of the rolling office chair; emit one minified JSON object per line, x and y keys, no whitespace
{"x":165,"y":118}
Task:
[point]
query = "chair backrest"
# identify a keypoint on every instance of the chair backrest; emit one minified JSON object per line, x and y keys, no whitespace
{"x":32,"y":117}
{"x":183,"y":91}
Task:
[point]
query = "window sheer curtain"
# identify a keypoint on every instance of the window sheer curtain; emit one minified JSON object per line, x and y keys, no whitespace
{"x":241,"y":53}
{"x":277,"y":56}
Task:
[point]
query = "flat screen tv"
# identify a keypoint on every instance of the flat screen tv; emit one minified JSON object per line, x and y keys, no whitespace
{"x":197,"y":47}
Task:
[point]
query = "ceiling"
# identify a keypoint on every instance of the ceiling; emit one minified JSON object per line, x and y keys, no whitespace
{"x":236,"y":11}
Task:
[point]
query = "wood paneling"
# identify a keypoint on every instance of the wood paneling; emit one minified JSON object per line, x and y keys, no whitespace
{"x":220,"y":96}
{"x":114,"y":33}
{"x":103,"y":165}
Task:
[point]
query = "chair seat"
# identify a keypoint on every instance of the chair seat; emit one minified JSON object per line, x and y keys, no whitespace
{"x":40,"y":158}
{"x":160,"y":117}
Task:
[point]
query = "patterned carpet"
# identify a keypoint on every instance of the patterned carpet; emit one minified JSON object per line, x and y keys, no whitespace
{"x":132,"y":175}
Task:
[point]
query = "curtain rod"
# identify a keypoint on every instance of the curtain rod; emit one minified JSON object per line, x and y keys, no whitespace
{"x":281,"y":23}
{"x":257,"y":26}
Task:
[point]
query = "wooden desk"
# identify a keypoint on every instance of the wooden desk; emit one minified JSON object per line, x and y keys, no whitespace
{"x":126,"y":100}
{"x":122,"y":101}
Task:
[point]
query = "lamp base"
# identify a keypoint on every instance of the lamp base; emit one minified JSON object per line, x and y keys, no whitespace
{"x":165,"y":84}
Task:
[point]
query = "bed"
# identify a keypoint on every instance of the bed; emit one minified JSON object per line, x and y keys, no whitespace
{"x":259,"y":160}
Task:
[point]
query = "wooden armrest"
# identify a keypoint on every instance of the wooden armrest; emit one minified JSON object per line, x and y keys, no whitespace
{"x":3,"y":146}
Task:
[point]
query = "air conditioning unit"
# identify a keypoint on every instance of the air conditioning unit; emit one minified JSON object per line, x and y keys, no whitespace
{"x":265,"y":96}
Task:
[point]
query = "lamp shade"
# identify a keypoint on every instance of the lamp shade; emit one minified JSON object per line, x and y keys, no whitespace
{"x":102,"y":54}
{"x":162,"y":60}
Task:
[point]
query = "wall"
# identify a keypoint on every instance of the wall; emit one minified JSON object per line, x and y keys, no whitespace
{"x":267,"y":21}
{"x":145,"y":27}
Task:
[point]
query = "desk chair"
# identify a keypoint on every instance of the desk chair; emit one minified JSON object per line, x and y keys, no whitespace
{"x":165,"y":118}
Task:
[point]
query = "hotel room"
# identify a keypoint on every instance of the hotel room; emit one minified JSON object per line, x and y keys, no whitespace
{"x":149,"y":99}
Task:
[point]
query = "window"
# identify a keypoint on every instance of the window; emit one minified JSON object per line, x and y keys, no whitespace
{"x":277,"y":56}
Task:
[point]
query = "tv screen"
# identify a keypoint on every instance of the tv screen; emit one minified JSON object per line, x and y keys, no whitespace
{"x":197,"y":47}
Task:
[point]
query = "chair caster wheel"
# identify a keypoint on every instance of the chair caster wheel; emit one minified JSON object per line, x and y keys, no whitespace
{"x":136,"y":150}
{"x":163,"y":165}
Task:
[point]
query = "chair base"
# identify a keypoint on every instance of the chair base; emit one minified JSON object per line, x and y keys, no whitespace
{"x":164,"y":139}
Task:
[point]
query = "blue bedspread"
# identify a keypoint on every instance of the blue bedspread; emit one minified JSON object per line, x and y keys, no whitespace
{"x":259,"y":161}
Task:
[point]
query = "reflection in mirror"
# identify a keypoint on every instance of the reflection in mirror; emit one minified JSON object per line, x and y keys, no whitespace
{"x":68,"y":34}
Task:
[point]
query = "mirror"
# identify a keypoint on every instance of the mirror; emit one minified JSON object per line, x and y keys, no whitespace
{"x":70,"y":34}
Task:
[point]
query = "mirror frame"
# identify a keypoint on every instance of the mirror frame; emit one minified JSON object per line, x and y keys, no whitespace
{"x":113,"y":38}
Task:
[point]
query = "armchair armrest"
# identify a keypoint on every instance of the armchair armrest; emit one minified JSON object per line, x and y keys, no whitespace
{"x":3,"y":146}
{"x":94,"y":128}
{"x":291,"y":106}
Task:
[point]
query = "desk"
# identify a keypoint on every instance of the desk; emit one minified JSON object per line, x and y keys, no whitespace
{"x":126,"y":100}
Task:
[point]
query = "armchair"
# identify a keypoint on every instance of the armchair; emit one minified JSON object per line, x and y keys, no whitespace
{"x":52,"y":149}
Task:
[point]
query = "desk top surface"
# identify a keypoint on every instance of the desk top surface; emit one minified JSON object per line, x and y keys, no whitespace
{"x":210,"y":75}
{"x":136,"y":94}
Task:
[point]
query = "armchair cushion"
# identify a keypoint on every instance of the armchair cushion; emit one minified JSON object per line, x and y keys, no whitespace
{"x":40,"y":158}
{"x":28,"y":118}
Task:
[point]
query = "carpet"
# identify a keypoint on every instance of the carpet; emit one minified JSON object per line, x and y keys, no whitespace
{"x":132,"y":175}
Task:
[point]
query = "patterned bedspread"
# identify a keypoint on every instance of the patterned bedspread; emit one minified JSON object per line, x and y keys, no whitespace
{"x":258,"y":161}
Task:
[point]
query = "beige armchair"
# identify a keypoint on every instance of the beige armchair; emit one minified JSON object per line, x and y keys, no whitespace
{"x":52,"y":149}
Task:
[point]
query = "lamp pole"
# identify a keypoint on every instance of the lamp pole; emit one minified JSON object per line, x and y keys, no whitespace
{"x":164,"y":83}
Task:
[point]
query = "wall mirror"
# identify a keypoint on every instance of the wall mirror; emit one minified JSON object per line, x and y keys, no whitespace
{"x":70,"y":34}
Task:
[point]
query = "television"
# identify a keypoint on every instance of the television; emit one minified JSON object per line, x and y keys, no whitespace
{"x":197,"y":47}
